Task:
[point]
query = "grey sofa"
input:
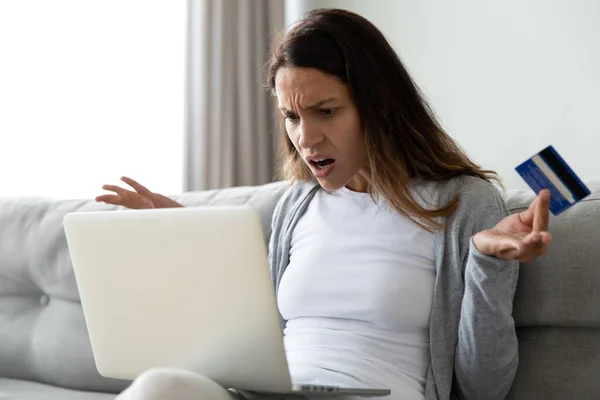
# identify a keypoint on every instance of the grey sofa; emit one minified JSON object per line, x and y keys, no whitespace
{"x":45,"y":351}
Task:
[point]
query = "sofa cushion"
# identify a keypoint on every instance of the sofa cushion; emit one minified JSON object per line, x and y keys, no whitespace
{"x":12,"y":389}
{"x":557,"y":363}
{"x":43,"y":336}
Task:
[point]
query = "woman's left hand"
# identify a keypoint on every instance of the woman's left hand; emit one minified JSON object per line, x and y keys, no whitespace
{"x":522,"y":236}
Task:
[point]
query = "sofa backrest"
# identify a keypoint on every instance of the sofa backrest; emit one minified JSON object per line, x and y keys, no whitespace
{"x":556,"y":307}
{"x":43,"y":336}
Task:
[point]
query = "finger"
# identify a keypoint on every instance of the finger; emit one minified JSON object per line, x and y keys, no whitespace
{"x":526,"y":258}
{"x":531,"y":255}
{"x":532,"y":238}
{"x":534,"y":249}
{"x":117,"y":189}
{"x":542,"y":246}
{"x":542,"y":211}
{"x":541,"y":249}
{"x":110,"y":199}
{"x":525,"y":250}
{"x":141,"y":189}
{"x":546,"y":237}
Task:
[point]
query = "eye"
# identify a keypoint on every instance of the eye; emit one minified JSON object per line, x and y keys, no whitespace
{"x":292,"y":117}
{"x":327,"y":112}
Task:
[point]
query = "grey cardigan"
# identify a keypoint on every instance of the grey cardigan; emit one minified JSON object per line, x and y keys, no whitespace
{"x":473,"y":345}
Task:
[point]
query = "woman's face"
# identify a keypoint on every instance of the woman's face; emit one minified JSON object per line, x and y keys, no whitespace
{"x":323,"y":123}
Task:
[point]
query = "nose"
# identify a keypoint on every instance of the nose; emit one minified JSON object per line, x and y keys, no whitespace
{"x":310,"y":135}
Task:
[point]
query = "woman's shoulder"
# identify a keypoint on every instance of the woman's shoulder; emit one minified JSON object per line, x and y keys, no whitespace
{"x":480,"y":203}
{"x":471,"y":191}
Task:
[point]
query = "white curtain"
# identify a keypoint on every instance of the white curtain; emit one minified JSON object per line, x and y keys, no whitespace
{"x":231,"y":135}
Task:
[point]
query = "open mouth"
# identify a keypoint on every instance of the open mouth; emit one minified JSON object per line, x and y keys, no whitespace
{"x":322,"y":164}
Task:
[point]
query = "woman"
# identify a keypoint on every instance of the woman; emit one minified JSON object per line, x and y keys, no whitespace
{"x":393,"y":256}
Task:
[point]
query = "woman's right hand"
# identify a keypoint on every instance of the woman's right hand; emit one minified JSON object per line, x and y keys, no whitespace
{"x":139,"y":197}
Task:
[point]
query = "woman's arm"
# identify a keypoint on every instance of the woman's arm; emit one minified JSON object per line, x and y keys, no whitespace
{"x":487,"y":354}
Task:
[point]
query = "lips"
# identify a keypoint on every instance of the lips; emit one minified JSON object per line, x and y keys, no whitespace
{"x":321,"y":165}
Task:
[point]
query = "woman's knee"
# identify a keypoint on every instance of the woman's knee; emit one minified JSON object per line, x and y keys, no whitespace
{"x":174,"y":384}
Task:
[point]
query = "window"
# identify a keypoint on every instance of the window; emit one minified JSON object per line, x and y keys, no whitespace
{"x":90,"y":91}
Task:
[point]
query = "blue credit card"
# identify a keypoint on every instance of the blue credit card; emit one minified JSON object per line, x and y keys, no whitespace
{"x":548,"y":170}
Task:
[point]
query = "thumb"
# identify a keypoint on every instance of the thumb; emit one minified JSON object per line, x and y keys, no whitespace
{"x":528,"y":216}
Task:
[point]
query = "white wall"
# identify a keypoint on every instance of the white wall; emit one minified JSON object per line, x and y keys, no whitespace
{"x":506,"y":78}
{"x":90,"y":91}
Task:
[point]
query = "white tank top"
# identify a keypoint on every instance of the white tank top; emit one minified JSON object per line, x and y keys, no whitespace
{"x":357,"y":296}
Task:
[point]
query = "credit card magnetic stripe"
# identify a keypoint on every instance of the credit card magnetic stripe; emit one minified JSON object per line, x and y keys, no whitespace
{"x":564,"y":172}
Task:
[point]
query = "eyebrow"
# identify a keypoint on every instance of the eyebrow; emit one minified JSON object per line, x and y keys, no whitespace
{"x":313,"y":106}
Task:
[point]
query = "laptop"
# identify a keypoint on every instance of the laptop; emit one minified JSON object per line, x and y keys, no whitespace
{"x":185,"y":288}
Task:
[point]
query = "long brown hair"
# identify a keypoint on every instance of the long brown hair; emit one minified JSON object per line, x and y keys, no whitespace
{"x":403,"y":138}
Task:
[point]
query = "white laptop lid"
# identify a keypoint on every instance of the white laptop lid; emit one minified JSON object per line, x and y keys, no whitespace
{"x":186,"y":288}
